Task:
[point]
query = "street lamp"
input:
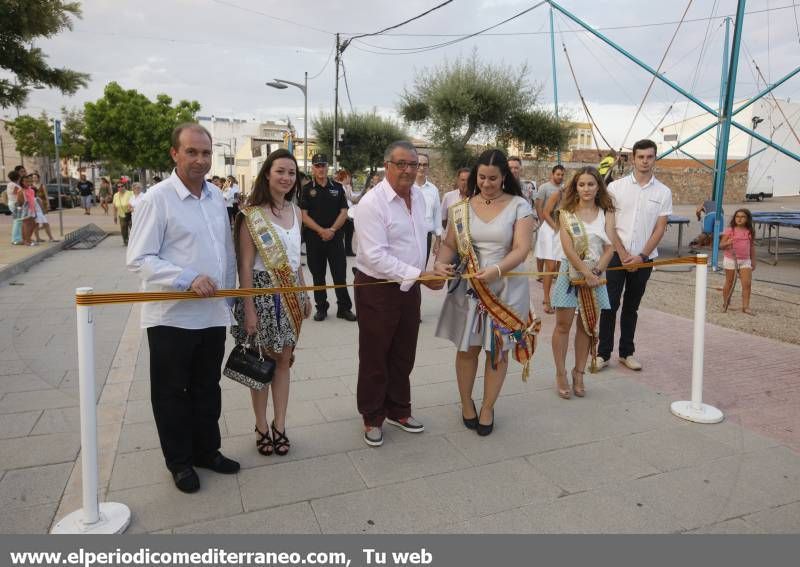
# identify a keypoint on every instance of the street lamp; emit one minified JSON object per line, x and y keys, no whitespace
{"x":282,"y":84}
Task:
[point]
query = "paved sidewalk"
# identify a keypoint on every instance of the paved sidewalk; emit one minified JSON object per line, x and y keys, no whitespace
{"x":614,"y":462}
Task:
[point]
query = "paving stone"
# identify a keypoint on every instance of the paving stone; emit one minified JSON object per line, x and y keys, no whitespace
{"x":23,"y":488}
{"x":23,"y":452}
{"x":44,"y":399}
{"x":159,"y":506}
{"x":737,"y":437}
{"x":317,"y":389}
{"x":676,"y":447}
{"x":32,"y":520}
{"x":729,"y":527}
{"x":22,"y":382}
{"x":341,"y":407}
{"x":140,"y":390}
{"x":411,"y":456}
{"x":407,"y":507}
{"x":138,"y":411}
{"x":299,"y":414}
{"x":139,"y":469}
{"x":781,"y":520}
{"x":588,"y":466}
{"x":492,"y":488}
{"x":17,"y":424}
{"x":10,"y":368}
{"x":291,"y":519}
{"x":138,"y":437}
{"x":264,"y":487}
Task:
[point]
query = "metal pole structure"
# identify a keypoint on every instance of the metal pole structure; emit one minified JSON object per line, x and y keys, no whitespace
{"x":725,"y":129}
{"x":630,"y":56}
{"x":305,"y":124}
{"x":723,"y":87}
{"x":687,"y":140}
{"x":695,"y":410}
{"x":336,"y":105}
{"x":765,"y":140}
{"x":555,"y":79}
{"x":93,"y":518}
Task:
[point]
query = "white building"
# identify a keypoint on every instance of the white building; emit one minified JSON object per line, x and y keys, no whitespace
{"x":769,"y":171}
{"x":228,"y":135}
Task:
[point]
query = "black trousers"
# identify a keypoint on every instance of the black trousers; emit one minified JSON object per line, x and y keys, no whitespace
{"x":184,"y":390}
{"x":331,"y":252}
{"x":349,"y":229}
{"x":388,"y":327}
{"x":428,"y":249}
{"x":628,"y":287}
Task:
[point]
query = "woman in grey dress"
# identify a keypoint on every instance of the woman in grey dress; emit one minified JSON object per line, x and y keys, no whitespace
{"x":500,"y":225}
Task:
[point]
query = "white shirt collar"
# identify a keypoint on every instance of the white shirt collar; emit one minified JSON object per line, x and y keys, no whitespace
{"x":183,"y":192}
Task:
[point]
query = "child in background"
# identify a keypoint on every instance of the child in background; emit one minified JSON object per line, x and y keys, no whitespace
{"x":738,"y":242}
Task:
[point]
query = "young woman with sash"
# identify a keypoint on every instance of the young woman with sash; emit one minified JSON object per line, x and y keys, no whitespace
{"x":585,"y":221}
{"x":267,"y":240}
{"x":491,"y":232}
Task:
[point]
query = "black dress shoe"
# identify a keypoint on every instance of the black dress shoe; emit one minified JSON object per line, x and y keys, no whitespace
{"x":471,"y":422}
{"x":346,"y":315}
{"x":218,"y":463}
{"x":186,"y":480}
{"x":320,"y":315}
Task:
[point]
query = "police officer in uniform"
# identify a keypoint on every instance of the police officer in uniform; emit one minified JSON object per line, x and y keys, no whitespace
{"x":324,"y":206}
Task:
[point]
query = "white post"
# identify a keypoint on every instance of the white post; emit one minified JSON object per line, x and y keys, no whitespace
{"x":695,"y":410}
{"x":93,"y":518}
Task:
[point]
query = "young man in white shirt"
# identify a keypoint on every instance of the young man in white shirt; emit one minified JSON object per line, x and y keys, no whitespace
{"x":643,"y":205}
{"x":458,"y":194}
{"x":433,"y":208}
{"x":182,"y":241}
{"x":391,"y":232}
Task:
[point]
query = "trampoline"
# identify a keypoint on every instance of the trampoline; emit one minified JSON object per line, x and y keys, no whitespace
{"x":777,"y":219}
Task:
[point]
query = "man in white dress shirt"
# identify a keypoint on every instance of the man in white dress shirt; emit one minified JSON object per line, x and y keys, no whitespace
{"x":642,"y":207}
{"x":458,"y":194}
{"x":433,"y":207}
{"x":182,"y":241}
{"x":391,"y":232}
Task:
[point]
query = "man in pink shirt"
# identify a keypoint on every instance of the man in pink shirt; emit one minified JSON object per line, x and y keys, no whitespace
{"x":392,"y":235}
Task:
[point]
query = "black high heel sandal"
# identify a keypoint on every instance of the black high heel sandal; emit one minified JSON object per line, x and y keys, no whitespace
{"x":484,"y":430}
{"x":280,"y":441}
{"x":264,"y":443}
{"x":471,"y":422}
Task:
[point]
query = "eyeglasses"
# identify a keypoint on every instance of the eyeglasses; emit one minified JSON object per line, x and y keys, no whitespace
{"x":405,"y":164}
{"x":423,"y":164}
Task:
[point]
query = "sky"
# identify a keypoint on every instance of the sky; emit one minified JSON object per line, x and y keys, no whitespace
{"x":221,"y":52}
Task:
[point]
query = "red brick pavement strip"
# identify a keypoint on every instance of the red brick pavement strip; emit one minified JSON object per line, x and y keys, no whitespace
{"x":754,"y":380}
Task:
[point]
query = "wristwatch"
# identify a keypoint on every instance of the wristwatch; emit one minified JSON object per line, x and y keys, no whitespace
{"x":644,"y":257}
{"x":596,"y":272}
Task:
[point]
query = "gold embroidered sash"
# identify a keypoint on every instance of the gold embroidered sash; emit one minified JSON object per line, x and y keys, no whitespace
{"x":273,"y":254}
{"x":504,"y":321}
{"x":588,"y":305}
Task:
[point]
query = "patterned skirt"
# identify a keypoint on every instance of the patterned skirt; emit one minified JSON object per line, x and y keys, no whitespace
{"x":275,"y":331}
{"x":564,"y":296}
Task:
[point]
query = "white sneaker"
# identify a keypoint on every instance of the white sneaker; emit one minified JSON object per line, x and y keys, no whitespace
{"x":600,"y":362}
{"x":631,"y":362}
{"x":408,"y":424}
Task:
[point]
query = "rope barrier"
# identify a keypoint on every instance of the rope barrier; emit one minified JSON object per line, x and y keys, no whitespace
{"x":110,"y":298}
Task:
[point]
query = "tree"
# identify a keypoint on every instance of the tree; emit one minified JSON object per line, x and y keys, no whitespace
{"x":366,"y":136}
{"x":73,"y":137}
{"x":33,"y":136}
{"x":23,"y":22}
{"x":126,"y":127}
{"x":468,"y":99}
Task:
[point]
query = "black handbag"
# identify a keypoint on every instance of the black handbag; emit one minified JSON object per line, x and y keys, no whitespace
{"x":249,"y":367}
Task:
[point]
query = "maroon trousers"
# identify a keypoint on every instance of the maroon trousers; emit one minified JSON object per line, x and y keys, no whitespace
{"x":388,"y":326}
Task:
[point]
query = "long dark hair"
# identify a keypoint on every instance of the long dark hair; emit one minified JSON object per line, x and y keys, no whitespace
{"x":602,"y":198}
{"x":260,"y":195}
{"x":500,"y":161}
{"x":749,"y":225}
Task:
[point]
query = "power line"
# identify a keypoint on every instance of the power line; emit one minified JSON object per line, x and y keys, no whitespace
{"x":271,"y":17}
{"x":421,"y":49}
{"x":347,"y":86}
{"x":325,"y":66}
{"x":384,"y":30}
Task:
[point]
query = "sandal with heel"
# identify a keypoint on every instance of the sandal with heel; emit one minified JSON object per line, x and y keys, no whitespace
{"x":471,"y":422}
{"x":563,"y":393}
{"x":577,"y":385}
{"x":280,"y":441}
{"x":264,"y":443}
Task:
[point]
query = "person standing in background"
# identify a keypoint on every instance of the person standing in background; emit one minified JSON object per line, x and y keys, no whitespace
{"x":433,"y":206}
{"x":121,"y":209}
{"x":86,"y":191}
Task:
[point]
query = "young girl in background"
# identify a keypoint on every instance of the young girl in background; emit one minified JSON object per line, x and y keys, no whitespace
{"x":738,"y":241}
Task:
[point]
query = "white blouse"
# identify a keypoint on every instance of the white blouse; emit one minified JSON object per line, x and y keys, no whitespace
{"x":291,"y":243}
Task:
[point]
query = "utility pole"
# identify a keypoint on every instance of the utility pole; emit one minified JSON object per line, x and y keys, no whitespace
{"x":336,"y":104}
{"x":555,"y":78}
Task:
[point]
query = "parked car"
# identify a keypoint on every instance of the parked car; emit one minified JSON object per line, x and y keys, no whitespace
{"x":69,"y":198}
{"x":4,"y":210}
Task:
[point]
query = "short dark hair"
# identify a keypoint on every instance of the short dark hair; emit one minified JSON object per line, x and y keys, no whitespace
{"x":175,"y":139}
{"x":462,"y":170}
{"x":644,"y":145}
{"x":557,"y":167}
{"x":515,"y":158}
{"x":13,"y":176}
{"x":19,"y":168}
{"x":387,"y":154}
